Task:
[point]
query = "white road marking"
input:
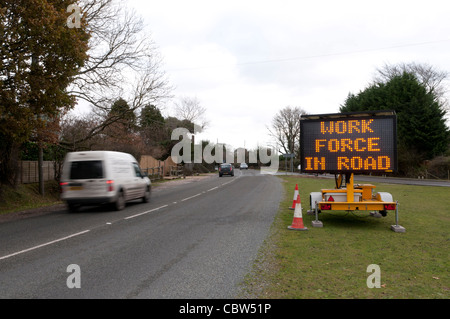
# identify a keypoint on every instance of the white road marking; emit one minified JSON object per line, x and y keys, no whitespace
{"x":185,"y":199}
{"x":147,"y":212}
{"x":43,"y":245}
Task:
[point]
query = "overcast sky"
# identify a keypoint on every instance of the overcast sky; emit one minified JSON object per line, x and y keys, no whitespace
{"x":246,"y":60}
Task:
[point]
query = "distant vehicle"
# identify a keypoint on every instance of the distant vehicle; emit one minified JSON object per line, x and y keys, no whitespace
{"x":226,"y":169}
{"x":101,"y":177}
{"x":243,"y":166}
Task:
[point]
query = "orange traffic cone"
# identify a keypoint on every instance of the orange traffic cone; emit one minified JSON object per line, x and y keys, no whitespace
{"x":297,"y":223}
{"x":295,"y":197}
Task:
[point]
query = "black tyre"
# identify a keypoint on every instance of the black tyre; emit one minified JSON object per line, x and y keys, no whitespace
{"x":147,"y":195}
{"x":73,"y":208}
{"x":120,"y":201}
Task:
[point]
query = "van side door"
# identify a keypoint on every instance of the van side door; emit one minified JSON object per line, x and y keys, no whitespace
{"x":139,"y":182}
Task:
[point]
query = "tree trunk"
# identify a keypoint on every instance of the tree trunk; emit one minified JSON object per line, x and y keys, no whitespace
{"x":8,"y":161}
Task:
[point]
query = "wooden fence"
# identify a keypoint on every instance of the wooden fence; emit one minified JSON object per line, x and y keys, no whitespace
{"x":28,"y":171}
{"x":159,"y":169}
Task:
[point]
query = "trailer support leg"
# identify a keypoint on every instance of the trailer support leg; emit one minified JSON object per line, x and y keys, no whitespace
{"x":397,"y":228}
{"x":317,"y":222}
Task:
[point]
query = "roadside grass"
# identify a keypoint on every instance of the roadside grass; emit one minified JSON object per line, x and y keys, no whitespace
{"x":331,"y":262}
{"x":26,"y":196}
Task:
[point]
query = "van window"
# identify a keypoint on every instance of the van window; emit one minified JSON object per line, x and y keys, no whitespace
{"x":86,"y":170}
{"x":137,"y":170}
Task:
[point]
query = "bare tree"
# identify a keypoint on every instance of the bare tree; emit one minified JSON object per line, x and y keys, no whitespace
{"x":432,"y":79}
{"x":123,"y":62}
{"x":285,"y":129}
{"x":76,"y":136}
{"x":77,"y":132}
{"x":189,"y":108}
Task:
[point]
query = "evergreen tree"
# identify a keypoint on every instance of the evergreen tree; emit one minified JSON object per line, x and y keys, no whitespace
{"x":151,"y":117}
{"x":421,"y":129}
{"x":152,"y":131}
{"x":123,"y":114}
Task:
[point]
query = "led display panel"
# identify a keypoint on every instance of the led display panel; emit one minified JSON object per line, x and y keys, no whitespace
{"x":348,"y":143}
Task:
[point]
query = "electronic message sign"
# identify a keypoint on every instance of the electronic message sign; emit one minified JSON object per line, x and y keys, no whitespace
{"x":349,"y":142}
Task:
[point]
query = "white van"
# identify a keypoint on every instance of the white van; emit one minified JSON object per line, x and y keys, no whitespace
{"x":101,"y":177}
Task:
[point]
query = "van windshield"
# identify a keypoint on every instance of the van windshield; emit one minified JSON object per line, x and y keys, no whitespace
{"x":86,"y":170}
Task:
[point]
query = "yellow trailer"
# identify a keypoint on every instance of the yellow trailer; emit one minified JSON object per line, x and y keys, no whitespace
{"x":353,"y":197}
{"x":344,"y":144}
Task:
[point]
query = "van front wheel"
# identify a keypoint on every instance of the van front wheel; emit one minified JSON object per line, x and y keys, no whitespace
{"x":73,"y":208}
{"x":146,"y":197}
{"x":120,"y":202}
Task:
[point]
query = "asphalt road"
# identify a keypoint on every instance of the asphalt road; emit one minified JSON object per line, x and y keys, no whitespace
{"x":195,"y":239}
{"x":387,"y":180}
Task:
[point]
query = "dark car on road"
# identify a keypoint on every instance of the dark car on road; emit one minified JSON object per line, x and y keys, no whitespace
{"x":226,"y":169}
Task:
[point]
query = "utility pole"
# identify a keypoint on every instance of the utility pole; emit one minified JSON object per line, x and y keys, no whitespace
{"x":41,"y":170}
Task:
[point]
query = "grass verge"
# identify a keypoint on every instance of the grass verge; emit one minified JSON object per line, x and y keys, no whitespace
{"x":26,"y":196}
{"x":331,"y":262}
